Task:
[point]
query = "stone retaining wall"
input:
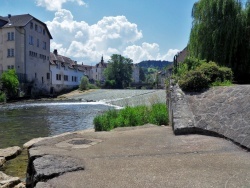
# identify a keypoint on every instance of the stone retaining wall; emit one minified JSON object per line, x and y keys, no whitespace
{"x":219,"y":111}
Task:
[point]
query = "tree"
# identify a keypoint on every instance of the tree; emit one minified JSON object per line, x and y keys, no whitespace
{"x":10,"y":83}
{"x":120,"y":70}
{"x":220,"y":33}
{"x":84,"y":85}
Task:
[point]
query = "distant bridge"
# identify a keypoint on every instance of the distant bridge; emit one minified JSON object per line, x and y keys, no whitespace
{"x":139,"y":85}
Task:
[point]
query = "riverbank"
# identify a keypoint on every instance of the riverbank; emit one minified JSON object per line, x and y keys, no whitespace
{"x":53,"y":116}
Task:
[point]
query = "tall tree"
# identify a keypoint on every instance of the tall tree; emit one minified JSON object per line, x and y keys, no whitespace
{"x":219,"y":33}
{"x":120,"y":70}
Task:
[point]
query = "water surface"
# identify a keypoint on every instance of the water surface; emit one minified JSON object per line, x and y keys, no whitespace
{"x":20,"y":123}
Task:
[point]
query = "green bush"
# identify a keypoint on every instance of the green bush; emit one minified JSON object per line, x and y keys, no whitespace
{"x":226,"y":74}
{"x":84,"y":85}
{"x":2,"y":97}
{"x":10,"y":83}
{"x":132,"y":116}
{"x":211,"y":70}
{"x":203,"y":75}
{"x":194,"y":80}
{"x":192,"y":63}
{"x":109,"y":84}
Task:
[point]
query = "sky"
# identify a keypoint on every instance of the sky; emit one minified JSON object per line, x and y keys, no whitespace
{"x":84,"y":30}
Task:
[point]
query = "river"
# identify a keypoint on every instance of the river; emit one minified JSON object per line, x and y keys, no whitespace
{"x":21,"y":122}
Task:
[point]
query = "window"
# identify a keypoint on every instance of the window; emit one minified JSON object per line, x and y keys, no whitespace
{"x":10,"y":66}
{"x":42,"y":79}
{"x":37,"y":43}
{"x":66,"y":78}
{"x":10,"y":36}
{"x":10,"y":52}
{"x":48,"y":76}
{"x":31,"y":25}
{"x":58,"y":76}
{"x":43,"y":31}
{"x":31,"y":41}
{"x":40,"y":29}
{"x":72,"y":78}
{"x":35,"y":27}
{"x":44,"y":45}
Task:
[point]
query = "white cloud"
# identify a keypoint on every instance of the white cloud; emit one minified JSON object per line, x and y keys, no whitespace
{"x":87,"y":43}
{"x":148,"y":52}
{"x":55,"y":5}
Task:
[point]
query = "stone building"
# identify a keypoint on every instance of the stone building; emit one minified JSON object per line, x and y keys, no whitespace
{"x":25,"y":47}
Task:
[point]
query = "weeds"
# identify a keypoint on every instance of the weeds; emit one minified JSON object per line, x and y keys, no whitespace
{"x":132,"y":116}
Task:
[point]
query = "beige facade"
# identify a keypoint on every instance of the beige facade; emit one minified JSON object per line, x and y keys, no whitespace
{"x":25,"y":47}
{"x":98,"y":71}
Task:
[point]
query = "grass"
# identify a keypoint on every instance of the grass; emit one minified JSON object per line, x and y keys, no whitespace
{"x":225,"y":83}
{"x":132,"y":116}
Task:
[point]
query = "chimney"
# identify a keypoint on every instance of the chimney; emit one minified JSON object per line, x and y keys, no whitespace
{"x":9,"y":16}
{"x":55,"y":52}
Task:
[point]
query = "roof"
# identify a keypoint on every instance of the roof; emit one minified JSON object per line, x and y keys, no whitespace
{"x":21,"y":21}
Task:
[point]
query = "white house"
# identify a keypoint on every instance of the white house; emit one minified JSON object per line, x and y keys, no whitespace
{"x":66,"y":74}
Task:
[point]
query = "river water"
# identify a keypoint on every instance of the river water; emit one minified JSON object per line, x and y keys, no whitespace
{"x":20,"y":123}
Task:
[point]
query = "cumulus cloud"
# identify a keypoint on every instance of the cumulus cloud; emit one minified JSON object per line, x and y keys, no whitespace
{"x":88,"y":42}
{"x":111,"y":35}
{"x":55,"y":5}
{"x":148,"y":52}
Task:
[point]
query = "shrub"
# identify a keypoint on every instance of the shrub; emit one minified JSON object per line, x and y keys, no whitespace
{"x":194,"y":80}
{"x":84,"y":85}
{"x":132,"y":116}
{"x":193,"y":63}
{"x":211,"y":70}
{"x":2,"y":97}
{"x":226,"y":74}
{"x":10,"y":83}
{"x":109,"y":84}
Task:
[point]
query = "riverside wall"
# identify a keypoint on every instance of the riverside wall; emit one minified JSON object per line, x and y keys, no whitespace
{"x":219,"y":111}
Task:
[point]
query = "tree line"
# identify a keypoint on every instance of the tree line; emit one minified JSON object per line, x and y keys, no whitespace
{"x":221,"y":33}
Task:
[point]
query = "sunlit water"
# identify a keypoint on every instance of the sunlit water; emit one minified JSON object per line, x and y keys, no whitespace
{"x":20,"y":123}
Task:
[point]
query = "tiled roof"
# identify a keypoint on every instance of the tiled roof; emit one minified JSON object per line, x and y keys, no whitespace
{"x":21,"y":21}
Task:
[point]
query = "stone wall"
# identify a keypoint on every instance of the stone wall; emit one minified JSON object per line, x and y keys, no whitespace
{"x":219,"y":111}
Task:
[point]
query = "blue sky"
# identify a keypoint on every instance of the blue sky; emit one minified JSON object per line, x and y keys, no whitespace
{"x":86,"y":29}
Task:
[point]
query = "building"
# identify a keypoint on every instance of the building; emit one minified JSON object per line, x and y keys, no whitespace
{"x":98,"y":71}
{"x":25,"y":47}
{"x":66,"y":74}
{"x":135,"y":73}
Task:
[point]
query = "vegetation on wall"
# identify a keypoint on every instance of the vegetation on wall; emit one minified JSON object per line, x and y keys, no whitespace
{"x":195,"y":75}
{"x":221,"y":33}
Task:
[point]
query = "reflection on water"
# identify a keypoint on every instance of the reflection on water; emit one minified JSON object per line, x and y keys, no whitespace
{"x":20,"y":123}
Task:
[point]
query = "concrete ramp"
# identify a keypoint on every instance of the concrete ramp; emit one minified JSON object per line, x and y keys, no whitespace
{"x":222,"y":111}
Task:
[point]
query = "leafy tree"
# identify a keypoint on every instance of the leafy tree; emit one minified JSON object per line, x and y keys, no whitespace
{"x":10,"y":83}
{"x":220,"y":33}
{"x":119,"y":69}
